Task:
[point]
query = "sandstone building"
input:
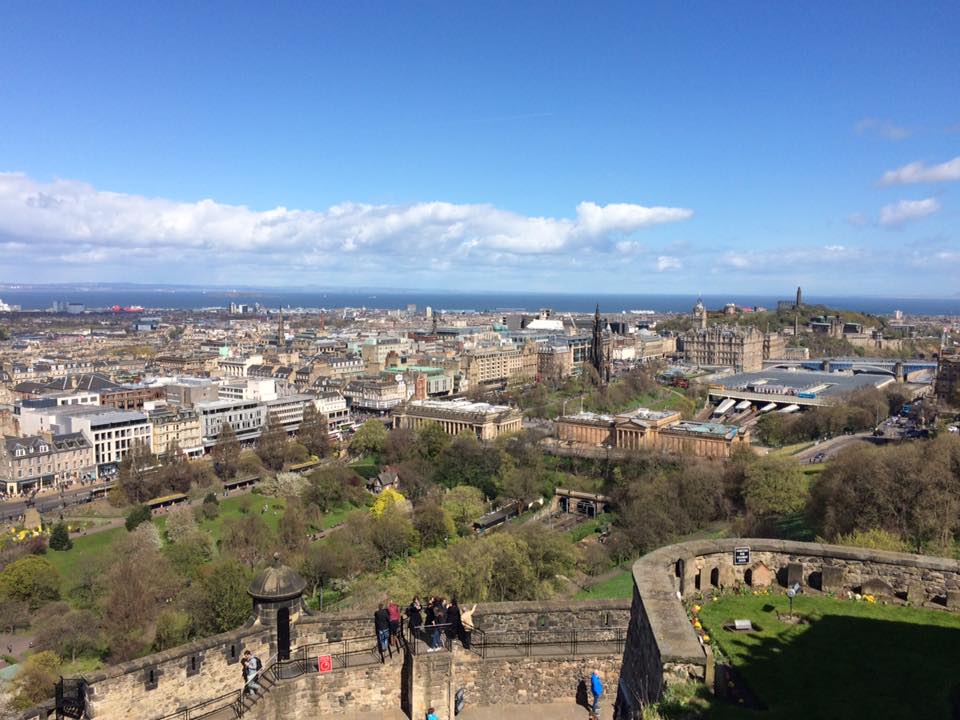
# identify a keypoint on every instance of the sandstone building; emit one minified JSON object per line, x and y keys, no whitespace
{"x":485,"y":421}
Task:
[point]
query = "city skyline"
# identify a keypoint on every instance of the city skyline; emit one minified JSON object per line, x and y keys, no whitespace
{"x":502,"y":149}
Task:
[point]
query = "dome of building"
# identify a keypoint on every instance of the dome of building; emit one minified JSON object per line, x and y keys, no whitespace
{"x":276,"y":582}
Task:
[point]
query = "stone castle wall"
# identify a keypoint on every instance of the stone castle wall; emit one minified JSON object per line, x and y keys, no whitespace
{"x":662,"y":645}
{"x":166,"y":683}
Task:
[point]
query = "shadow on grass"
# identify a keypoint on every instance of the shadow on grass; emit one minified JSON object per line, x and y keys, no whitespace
{"x":843,"y":666}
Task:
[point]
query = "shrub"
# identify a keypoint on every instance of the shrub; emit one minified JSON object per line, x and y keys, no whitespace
{"x":60,"y":537}
{"x":139,"y":514}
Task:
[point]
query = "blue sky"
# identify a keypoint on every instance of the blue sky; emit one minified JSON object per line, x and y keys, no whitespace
{"x":642,"y":146}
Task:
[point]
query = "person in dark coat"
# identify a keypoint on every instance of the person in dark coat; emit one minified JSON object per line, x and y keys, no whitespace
{"x":415,"y":615}
{"x":381,"y":623}
{"x":454,"y":626}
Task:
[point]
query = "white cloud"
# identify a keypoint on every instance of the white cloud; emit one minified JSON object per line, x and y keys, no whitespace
{"x":918,"y":172}
{"x":79,"y":223}
{"x":906,"y":210}
{"x":884,"y":128}
{"x":668,"y":262}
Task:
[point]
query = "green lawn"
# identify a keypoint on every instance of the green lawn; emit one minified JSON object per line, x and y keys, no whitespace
{"x":367,"y":467}
{"x":793,"y":449}
{"x":70,"y":562}
{"x":619,"y":587}
{"x":853,"y":659}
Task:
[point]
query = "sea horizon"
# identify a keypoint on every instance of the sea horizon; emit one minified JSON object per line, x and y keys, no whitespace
{"x":184,"y":297}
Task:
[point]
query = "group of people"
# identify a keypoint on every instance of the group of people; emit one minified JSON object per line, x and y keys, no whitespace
{"x":439,"y":618}
{"x":430,"y":621}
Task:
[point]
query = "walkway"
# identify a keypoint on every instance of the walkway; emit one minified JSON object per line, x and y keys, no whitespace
{"x":552,"y":711}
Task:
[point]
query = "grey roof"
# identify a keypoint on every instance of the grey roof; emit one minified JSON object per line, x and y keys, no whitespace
{"x":276,"y":582}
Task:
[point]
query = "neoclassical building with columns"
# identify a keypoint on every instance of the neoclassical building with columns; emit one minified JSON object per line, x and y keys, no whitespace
{"x":486,"y":421}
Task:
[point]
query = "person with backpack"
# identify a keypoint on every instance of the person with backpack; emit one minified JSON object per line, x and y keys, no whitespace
{"x":252,"y":668}
{"x":596,"y":688}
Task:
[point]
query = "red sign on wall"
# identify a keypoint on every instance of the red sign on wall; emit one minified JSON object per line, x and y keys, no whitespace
{"x":324,"y":663}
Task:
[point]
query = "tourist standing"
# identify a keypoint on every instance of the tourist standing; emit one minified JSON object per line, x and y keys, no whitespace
{"x":381,"y":623}
{"x":466,"y":621}
{"x":415,"y":616}
{"x":596,"y":688}
{"x":393,"y":615}
{"x":454,"y":628}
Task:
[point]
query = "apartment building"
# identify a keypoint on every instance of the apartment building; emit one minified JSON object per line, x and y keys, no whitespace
{"x":500,"y":365}
{"x":44,"y":461}
{"x":113,"y":433}
{"x":246,"y":417}
{"x":175,"y":426}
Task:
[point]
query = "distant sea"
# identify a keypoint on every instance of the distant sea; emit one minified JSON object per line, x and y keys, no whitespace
{"x":151,"y":298}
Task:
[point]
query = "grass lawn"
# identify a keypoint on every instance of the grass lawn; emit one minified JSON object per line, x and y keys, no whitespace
{"x":793,"y":449}
{"x":619,"y":587}
{"x":86,"y":547}
{"x":854,"y":659}
{"x":367,"y":467}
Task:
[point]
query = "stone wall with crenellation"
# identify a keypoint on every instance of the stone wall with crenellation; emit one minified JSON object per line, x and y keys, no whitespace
{"x":662,"y":645}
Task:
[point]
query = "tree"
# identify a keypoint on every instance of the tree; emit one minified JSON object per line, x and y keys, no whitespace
{"x":36,"y":679}
{"x":247,"y":539}
{"x":433,"y":523}
{"x":432,"y":440}
{"x":293,"y":528}
{"x":222,"y":603}
{"x":60,"y":537}
{"x":272,"y":443}
{"x":332,"y":486}
{"x":466,"y":462}
{"x":173,"y":628}
{"x":68,"y":632}
{"x":774,"y":486}
{"x":314,"y":433}
{"x":392,"y":533}
{"x":226,"y":453}
{"x":386,"y":500}
{"x":32,"y":580}
{"x":136,"y":477}
{"x":324,"y":562}
{"x":139,"y":514}
{"x":369,"y":439}
{"x":190,"y":552}
{"x":465,"y":504}
{"x":181,"y":523}
{"x":13,"y":614}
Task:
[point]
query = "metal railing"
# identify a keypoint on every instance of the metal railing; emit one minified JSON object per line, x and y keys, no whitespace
{"x":521,"y":643}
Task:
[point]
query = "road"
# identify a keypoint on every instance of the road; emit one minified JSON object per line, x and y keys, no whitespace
{"x":45,"y":503}
{"x":831,"y":447}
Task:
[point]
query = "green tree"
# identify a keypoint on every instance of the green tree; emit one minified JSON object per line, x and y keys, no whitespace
{"x":466,"y":462}
{"x":272,"y":443}
{"x":369,"y":439}
{"x":31,"y":579}
{"x":314,"y":433}
{"x":433,"y":523}
{"x":35,"y":681}
{"x":223,"y":600}
{"x":173,"y":628}
{"x":432,"y":440}
{"x":226,"y":453}
{"x":137,"y":515}
{"x":60,"y":537}
{"x":465,"y":504}
{"x":774,"y":486}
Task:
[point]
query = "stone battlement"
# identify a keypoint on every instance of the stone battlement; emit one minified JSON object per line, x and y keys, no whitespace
{"x":662,"y":645}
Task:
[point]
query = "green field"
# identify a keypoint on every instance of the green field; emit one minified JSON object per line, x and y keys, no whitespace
{"x":853,"y":659}
{"x":619,"y":587}
{"x":69,"y":563}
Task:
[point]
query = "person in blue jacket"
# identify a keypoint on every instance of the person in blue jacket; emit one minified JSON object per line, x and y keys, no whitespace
{"x":596,"y":687}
